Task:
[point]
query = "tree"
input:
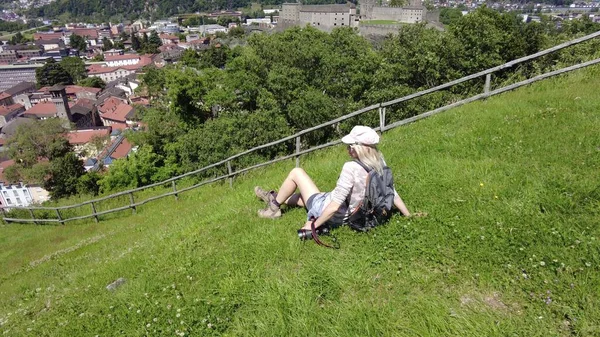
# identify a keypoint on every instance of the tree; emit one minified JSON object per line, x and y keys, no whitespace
{"x":42,"y":154}
{"x":18,"y":38}
{"x":154,"y":39}
{"x":237,"y":32}
{"x":92,"y":82}
{"x":63,"y":176}
{"x":107,"y":44}
{"x":154,"y":80}
{"x":52,"y":73}
{"x":75,"y":67}
{"x":141,"y":168}
{"x":78,"y":42}
{"x":135,"y":43}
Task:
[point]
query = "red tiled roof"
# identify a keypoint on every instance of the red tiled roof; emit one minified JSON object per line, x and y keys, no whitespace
{"x":4,"y":95}
{"x":168,"y":36}
{"x":92,"y":70}
{"x":119,"y":113}
{"x":42,"y":109}
{"x":92,"y":33}
{"x":122,"y":150}
{"x":110,"y":104}
{"x":85,"y":136}
{"x":95,"y":69}
{"x":109,"y":58}
{"x":85,"y":102}
{"x":71,"y":89}
{"x":47,"y":36}
{"x":5,"y":110}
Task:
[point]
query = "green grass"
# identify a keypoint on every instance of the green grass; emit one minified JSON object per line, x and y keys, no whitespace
{"x":379,"y":22}
{"x":510,"y":245}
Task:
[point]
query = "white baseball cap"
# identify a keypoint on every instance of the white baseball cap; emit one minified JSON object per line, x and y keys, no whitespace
{"x":363,"y":135}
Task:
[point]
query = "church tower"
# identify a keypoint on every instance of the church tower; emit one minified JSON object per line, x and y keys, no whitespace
{"x":59,"y":98}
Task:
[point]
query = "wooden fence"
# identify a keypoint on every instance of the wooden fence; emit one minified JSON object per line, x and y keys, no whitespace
{"x":381,"y":107}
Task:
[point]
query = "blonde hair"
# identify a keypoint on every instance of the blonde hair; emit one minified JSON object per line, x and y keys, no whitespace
{"x":370,"y":156}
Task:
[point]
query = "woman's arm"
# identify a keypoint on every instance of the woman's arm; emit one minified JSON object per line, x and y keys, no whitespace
{"x":328,"y":212}
{"x":400,"y":205}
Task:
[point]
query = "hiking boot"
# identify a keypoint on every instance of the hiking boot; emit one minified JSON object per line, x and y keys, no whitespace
{"x":272,"y":210}
{"x":262,"y":194}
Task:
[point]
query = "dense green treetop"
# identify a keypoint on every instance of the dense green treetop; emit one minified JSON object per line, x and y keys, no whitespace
{"x":52,"y":73}
{"x":221,"y":101}
{"x":75,"y":67}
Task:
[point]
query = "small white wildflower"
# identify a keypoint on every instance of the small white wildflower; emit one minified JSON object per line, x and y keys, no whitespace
{"x":111,"y":307}
{"x":178,"y":297}
{"x":148,"y":325}
{"x":587,"y":264}
{"x":138,"y":311}
{"x":28,"y":329}
{"x":109,"y":315}
{"x":178,"y":315}
{"x":81,"y":315}
{"x":542,"y":263}
{"x":169,"y":307}
{"x":209,"y":325}
{"x":181,"y":322}
{"x":155,"y":319}
{"x":155,"y":302}
{"x":178,"y":310}
{"x":173,"y":285}
{"x":146,"y":294}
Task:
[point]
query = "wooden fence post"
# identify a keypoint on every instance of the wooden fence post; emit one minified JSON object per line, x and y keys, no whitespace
{"x":133,"y":209}
{"x":229,"y":172}
{"x":32,"y":215}
{"x":298,"y":151}
{"x":94,"y":212}
{"x":488,"y":82}
{"x":381,"y":119}
{"x":59,"y":217}
{"x":4,"y":214}
{"x":175,"y":189}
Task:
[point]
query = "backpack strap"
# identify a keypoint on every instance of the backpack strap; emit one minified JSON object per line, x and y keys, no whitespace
{"x":362,"y":165}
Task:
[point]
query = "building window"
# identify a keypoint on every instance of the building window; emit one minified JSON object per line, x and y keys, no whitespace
{"x":8,"y":201}
{"x":15,"y":193}
{"x":5,"y":194}
{"x":18,"y":200}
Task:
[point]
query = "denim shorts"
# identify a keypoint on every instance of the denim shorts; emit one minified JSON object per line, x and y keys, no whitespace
{"x":316,"y":203}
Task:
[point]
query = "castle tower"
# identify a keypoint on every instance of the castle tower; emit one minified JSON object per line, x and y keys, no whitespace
{"x":366,"y":9}
{"x":59,"y":98}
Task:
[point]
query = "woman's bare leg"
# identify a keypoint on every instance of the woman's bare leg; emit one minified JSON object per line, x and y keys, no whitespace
{"x":296,"y":179}
{"x":295,"y":200}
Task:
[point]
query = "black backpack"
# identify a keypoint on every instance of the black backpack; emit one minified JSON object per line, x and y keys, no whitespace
{"x":376,"y":207}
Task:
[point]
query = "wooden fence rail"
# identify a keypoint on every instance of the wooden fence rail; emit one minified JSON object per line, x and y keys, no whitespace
{"x":381,"y":107}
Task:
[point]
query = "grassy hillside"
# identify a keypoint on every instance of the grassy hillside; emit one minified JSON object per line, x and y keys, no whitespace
{"x":510,"y":245}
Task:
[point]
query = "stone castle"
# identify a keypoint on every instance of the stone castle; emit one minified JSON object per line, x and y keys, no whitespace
{"x":327,"y":17}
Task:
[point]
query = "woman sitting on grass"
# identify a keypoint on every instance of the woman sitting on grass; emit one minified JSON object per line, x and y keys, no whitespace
{"x":331,"y":207}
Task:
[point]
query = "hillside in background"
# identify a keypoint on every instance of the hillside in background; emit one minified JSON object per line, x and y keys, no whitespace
{"x":117,"y":10}
{"x":510,"y":245}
